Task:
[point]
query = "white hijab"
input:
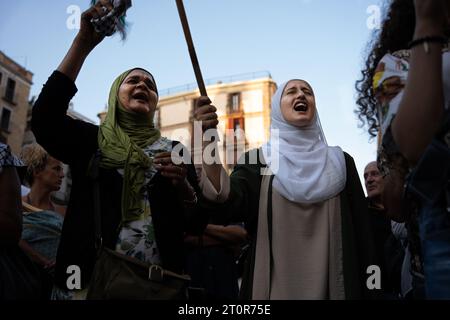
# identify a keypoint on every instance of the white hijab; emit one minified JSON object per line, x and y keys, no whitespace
{"x":306,"y":169}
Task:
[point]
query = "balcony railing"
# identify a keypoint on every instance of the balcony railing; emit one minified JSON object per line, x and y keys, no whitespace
{"x":214,"y":81}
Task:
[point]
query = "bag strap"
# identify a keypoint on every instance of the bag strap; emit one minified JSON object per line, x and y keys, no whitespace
{"x":155,"y":272}
{"x":269,"y":226}
{"x":93,"y":174}
{"x":269,"y":216}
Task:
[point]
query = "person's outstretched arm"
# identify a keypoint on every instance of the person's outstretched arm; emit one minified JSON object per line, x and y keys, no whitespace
{"x":62,"y":136}
{"x":85,"y":41}
{"x":213,"y":170}
{"x":421,"y":110}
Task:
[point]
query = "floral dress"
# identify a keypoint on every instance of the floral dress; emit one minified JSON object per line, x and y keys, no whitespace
{"x":137,"y":238}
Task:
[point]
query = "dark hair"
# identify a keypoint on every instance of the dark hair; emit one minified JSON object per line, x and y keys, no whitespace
{"x":395,"y":34}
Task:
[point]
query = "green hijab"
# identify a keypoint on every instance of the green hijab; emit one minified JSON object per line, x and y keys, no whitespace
{"x":121,"y":138}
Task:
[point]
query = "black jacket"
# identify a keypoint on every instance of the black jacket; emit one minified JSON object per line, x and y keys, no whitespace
{"x":74,"y":142}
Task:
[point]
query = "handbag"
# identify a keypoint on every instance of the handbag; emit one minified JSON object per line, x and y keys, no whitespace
{"x":120,"y":277}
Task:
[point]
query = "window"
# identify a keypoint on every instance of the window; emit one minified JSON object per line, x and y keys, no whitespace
{"x":235,"y":142}
{"x":1,"y":75}
{"x":4,"y":120}
{"x":10,"y":88}
{"x":237,"y":124}
{"x":235,"y":103}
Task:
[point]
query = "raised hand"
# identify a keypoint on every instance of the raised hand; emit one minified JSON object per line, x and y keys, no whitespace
{"x":87,"y":34}
{"x":206,"y":113}
{"x":432,"y":15}
{"x":86,"y":40}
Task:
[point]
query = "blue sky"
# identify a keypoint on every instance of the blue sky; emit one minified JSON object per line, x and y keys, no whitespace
{"x":321,"y":41}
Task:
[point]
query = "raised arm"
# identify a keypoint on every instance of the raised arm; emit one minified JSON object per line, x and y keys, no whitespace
{"x":65,"y":138}
{"x":85,"y":41}
{"x":213,"y":170}
{"x":421,"y":110}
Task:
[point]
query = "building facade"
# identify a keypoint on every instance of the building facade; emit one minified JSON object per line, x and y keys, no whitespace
{"x":16,"y":111}
{"x":243,"y":107}
{"x":15,"y":85}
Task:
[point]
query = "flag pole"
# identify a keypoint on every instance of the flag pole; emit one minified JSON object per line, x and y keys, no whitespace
{"x":191,"y":48}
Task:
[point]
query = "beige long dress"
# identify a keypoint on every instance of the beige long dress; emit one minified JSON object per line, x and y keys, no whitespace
{"x":307,"y":250}
{"x":307,"y":246}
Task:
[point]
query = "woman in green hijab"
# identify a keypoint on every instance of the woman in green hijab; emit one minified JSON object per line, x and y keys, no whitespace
{"x":147,"y":202}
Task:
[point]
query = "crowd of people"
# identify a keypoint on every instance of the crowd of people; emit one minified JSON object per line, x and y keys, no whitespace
{"x":293,"y":213}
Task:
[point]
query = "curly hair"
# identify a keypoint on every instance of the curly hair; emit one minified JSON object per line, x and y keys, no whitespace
{"x":397,"y":31}
{"x":36,"y":159}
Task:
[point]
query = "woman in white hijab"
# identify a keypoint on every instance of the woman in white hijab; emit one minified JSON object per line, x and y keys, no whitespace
{"x":303,"y":205}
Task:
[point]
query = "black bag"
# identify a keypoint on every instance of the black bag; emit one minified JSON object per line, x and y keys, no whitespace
{"x":120,"y":277}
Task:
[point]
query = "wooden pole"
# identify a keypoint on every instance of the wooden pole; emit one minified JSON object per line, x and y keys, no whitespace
{"x":191,"y":48}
